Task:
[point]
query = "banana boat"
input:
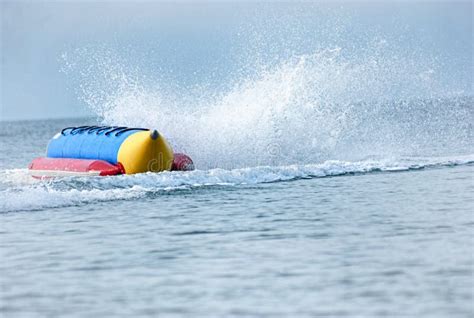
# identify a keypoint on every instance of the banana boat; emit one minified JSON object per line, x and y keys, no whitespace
{"x":108,"y":150}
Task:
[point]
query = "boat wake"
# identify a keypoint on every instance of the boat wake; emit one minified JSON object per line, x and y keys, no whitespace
{"x":20,"y":192}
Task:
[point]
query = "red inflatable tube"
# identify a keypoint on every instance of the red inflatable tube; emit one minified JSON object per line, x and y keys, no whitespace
{"x":182,"y":162}
{"x":61,"y":167}
{"x":54,"y":167}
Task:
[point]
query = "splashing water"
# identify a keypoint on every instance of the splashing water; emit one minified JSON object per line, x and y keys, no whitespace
{"x":300,"y":92}
{"x":305,"y":109}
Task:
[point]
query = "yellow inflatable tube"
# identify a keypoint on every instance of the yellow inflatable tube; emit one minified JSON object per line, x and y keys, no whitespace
{"x":145,"y":151}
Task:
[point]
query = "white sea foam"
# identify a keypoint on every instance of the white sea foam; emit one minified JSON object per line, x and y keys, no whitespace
{"x":26,"y":196}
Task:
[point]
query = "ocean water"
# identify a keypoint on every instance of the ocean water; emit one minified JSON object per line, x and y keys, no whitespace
{"x":377,"y":236}
{"x":335,"y":173}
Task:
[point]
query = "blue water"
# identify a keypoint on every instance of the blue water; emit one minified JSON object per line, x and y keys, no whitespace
{"x":334,"y":150}
{"x":366,"y":238}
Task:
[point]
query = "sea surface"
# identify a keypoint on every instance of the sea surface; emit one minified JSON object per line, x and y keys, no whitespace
{"x":372,"y":237}
{"x":333,"y":142}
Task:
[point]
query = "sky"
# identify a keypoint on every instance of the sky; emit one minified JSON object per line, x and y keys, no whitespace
{"x":49,"y":49}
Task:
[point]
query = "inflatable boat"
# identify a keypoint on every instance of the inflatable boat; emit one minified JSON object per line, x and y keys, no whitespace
{"x":108,"y":150}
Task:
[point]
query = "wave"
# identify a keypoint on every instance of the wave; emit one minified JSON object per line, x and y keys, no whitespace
{"x":20,"y":192}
